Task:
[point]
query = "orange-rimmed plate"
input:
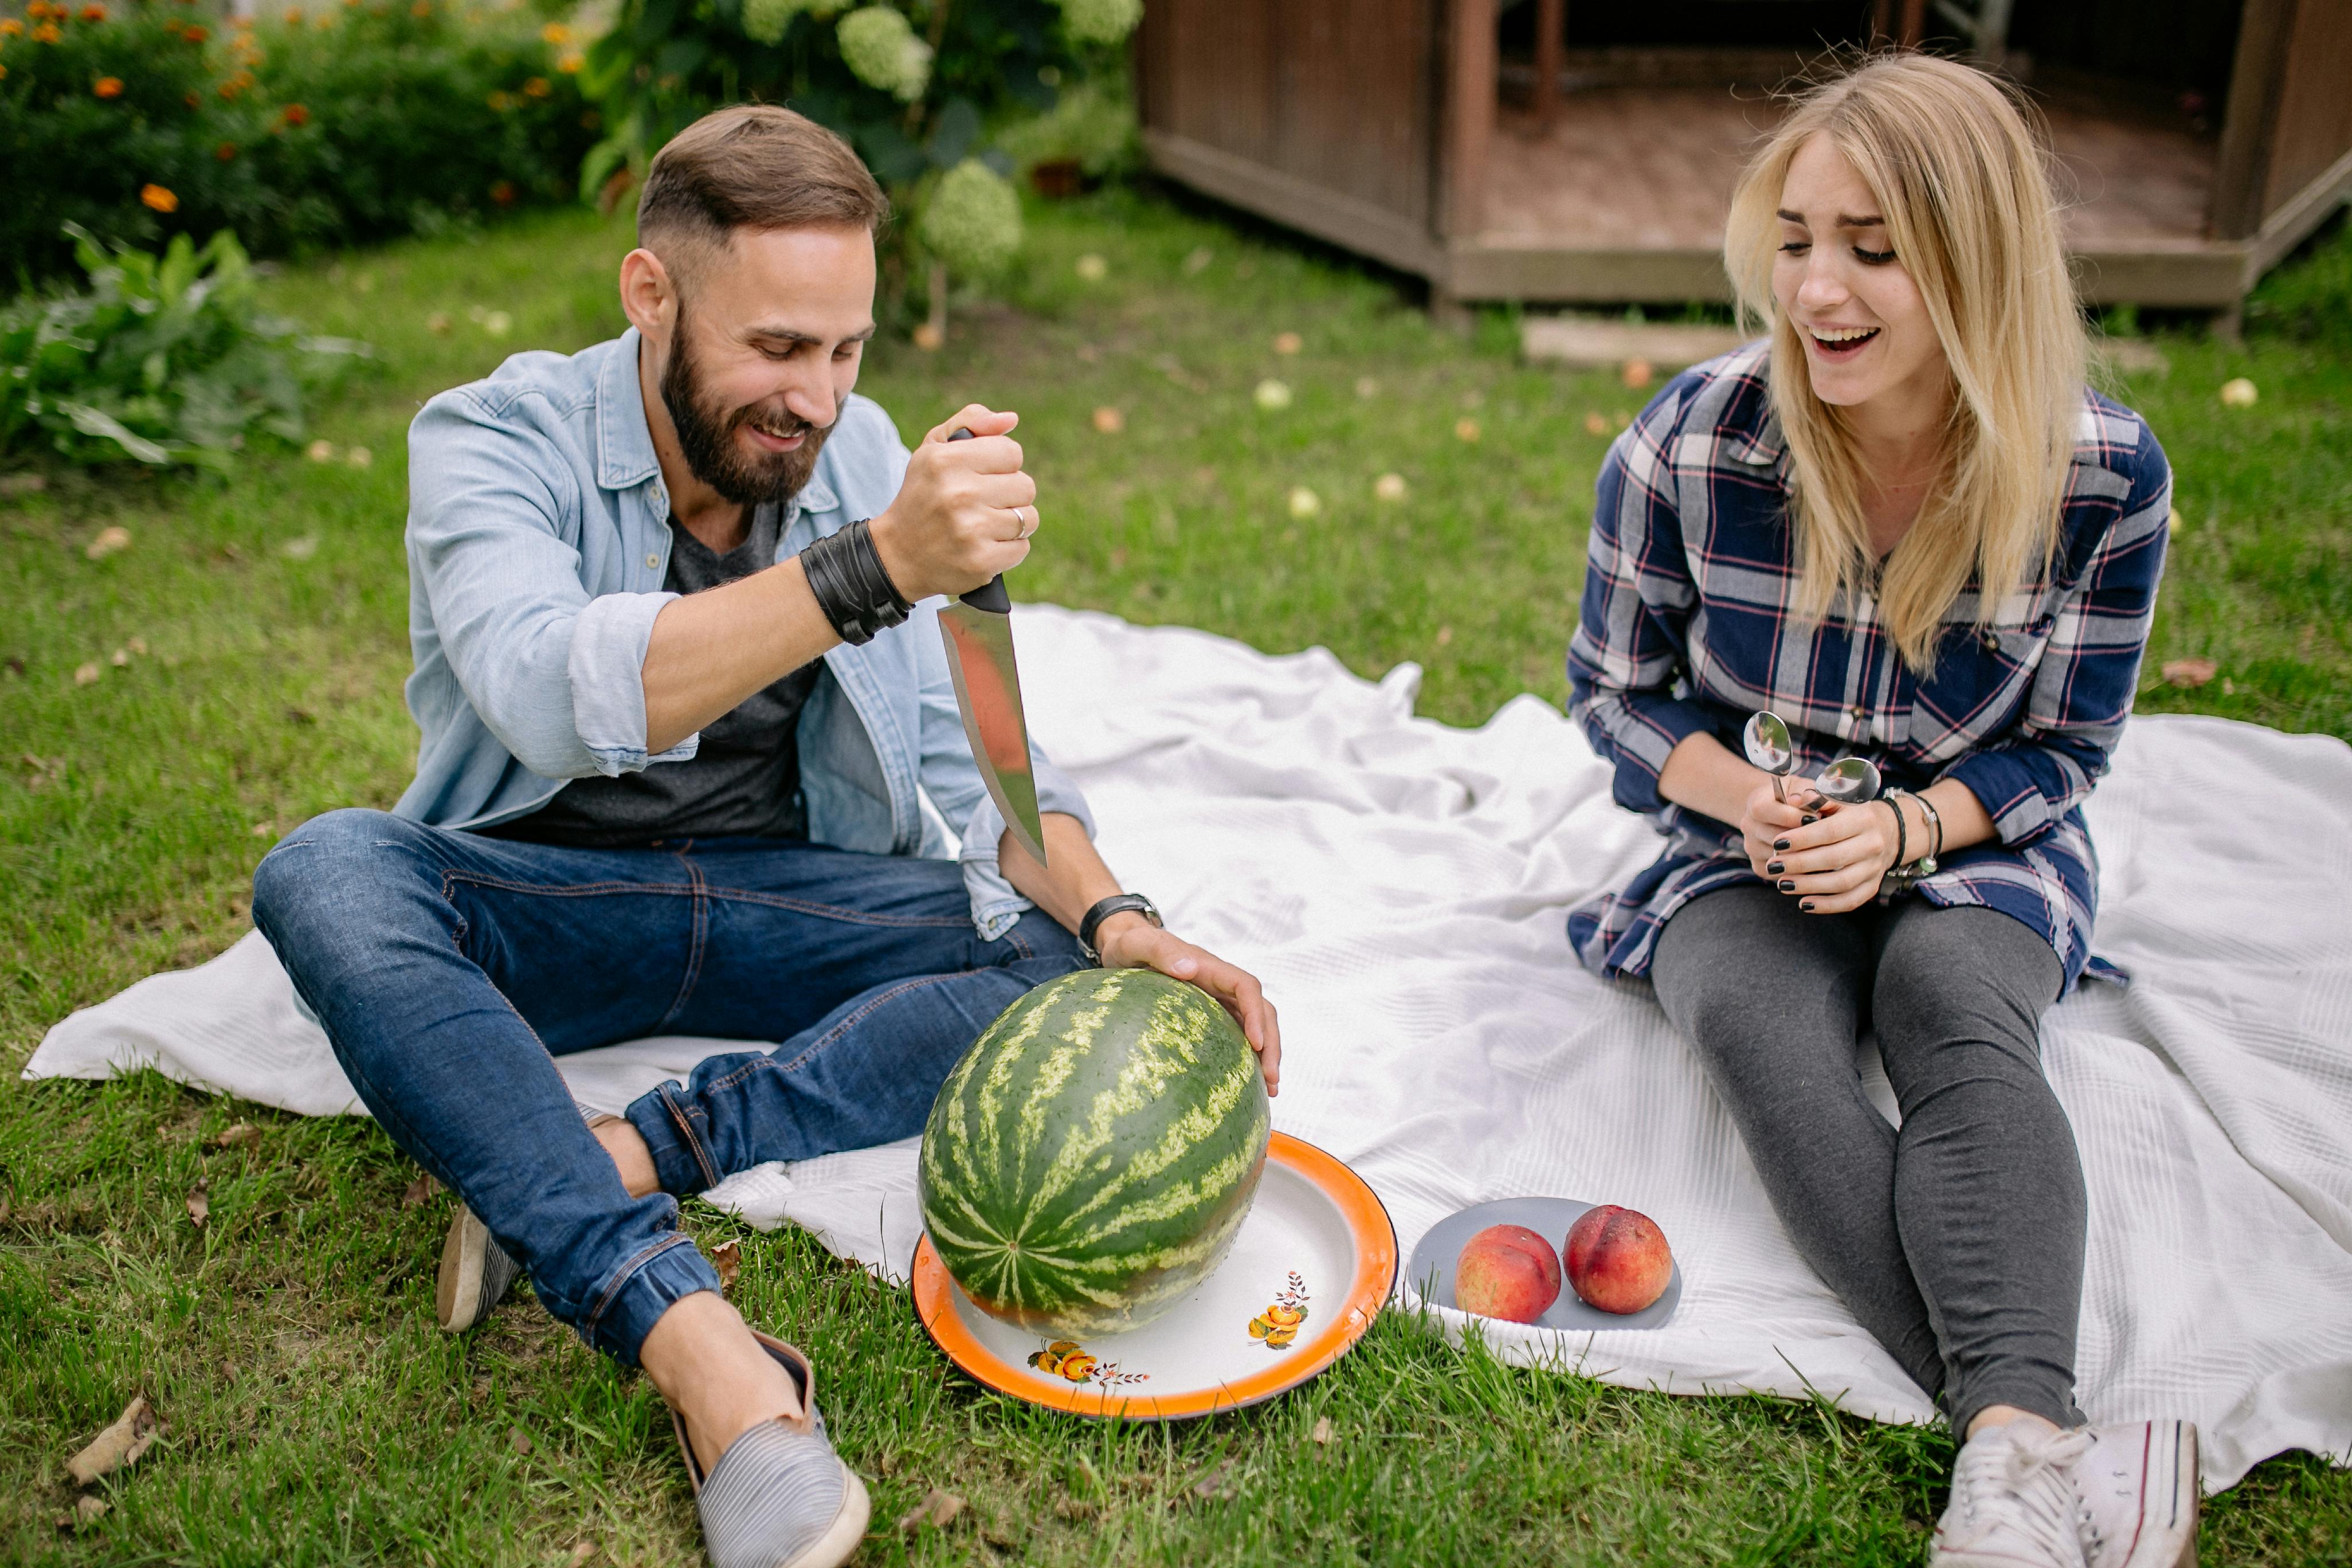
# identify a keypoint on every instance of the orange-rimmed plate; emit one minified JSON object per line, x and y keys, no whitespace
{"x":1309,"y":1269}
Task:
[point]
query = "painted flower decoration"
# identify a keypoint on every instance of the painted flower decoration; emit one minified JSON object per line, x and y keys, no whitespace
{"x":159,"y":199}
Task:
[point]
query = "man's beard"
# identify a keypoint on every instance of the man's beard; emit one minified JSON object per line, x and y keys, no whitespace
{"x":705,"y":433}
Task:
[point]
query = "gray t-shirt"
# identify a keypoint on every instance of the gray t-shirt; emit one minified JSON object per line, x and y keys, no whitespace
{"x":744,"y":781}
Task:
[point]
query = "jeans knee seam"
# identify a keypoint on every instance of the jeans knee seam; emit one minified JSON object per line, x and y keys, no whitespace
{"x":830,"y":1035}
{"x":836,"y":913}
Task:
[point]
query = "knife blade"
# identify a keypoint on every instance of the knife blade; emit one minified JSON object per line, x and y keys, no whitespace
{"x":978,"y":631}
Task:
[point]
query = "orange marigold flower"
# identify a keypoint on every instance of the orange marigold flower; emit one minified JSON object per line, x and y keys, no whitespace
{"x":556,"y":32}
{"x":499,"y":102}
{"x":571,"y":64}
{"x":47,"y":33}
{"x":503,"y":192}
{"x":225,"y":152}
{"x":93,"y":13}
{"x":157,"y":197}
{"x":108,"y":87}
{"x":10,"y":27}
{"x":194,"y":33}
{"x":4,"y":73}
{"x":295,"y":114}
{"x":535,"y":88}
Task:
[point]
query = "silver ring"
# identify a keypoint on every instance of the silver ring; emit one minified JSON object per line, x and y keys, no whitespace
{"x":1028,"y":526}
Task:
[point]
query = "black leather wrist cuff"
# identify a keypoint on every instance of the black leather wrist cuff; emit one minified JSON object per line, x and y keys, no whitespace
{"x":845,"y":572}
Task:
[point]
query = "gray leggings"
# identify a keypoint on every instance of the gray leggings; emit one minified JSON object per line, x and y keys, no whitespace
{"x":1958,"y":1241}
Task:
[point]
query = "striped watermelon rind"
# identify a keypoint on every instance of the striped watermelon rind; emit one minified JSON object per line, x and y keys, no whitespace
{"x":1091,"y":1158}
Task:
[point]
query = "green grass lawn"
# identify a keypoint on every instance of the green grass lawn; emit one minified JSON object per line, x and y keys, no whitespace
{"x":249,"y":644}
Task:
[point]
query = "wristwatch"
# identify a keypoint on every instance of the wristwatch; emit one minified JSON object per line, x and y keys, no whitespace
{"x":1118,"y":903}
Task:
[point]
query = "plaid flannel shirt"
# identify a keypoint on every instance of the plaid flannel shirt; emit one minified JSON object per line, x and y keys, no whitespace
{"x":1688,"y":625}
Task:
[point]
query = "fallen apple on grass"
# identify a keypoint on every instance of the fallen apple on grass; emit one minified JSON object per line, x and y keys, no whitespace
{"x":1506,"y":1271}
{"x":1617,"y":1258}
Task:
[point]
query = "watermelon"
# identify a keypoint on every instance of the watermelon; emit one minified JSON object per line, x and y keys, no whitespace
{"x":1090,"y":1159}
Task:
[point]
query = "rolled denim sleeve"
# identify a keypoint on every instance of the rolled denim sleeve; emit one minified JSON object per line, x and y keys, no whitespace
{"x":2058,"y":750}
{"x":555,"y":673}
{"x":1631,"y":639}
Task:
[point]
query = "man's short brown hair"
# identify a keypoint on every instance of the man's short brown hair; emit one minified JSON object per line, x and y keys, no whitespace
{"x":755,"y":165}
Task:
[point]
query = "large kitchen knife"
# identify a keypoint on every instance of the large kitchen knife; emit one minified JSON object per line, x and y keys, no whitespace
{"x":978,"y":628}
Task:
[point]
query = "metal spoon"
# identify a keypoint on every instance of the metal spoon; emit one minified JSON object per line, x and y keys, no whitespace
{"x":1766,"y":739}
{"x":1849,"y":781}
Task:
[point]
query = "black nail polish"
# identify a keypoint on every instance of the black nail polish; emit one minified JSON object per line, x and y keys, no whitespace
{"x":1806,"y":905}
{"x":1790,"y":887}
{"x":1773,"y":870}
{"x":1780,"y":844}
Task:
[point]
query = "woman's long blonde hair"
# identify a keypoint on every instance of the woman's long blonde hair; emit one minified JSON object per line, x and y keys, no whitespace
{"x":1961,"y":180}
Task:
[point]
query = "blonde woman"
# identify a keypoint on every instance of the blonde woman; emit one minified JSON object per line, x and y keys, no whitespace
{"x":1905,"y":525}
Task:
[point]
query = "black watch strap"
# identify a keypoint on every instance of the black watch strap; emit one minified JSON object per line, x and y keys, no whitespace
{"x":1118,"y":903}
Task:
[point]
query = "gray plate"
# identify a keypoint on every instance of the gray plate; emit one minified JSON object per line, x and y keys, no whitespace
{"x":1430,"y":1275}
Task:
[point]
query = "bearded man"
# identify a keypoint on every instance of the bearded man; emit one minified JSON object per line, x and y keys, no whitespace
{"x":690,"y":756}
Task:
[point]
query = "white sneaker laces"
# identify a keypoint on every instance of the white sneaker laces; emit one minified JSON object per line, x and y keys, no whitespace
{"x":2013,"y":1493}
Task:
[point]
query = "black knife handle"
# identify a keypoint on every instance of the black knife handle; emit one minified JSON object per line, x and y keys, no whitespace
{"x":990,"y":595}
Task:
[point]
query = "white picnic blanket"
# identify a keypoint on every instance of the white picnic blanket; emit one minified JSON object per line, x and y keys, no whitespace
{"x":1401,"y":887}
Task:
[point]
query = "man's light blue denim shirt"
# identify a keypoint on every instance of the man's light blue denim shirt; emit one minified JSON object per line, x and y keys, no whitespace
{"x":538,"y":538}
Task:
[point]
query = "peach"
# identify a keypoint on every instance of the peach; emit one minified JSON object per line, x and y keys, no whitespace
{"x":1617,"y":1258}
{"x":1506,"y":1271}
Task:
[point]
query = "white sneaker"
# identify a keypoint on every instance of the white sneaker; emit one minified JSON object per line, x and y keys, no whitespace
{"x":2013,"y":1502}
{"x":2137,"y":1487}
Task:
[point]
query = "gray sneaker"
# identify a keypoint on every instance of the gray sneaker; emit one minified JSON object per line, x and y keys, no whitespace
{"x":779,"y":1497}
{"x":475,"y":1271}
{"x":2137,"y":1486}
{"x":476,"y":1274}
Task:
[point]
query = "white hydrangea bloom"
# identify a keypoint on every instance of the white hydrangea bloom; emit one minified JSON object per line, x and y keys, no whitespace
{"x":879,"y":46}
{"x":1101,"y":21}
{"x":765,"y":21}
{"x":972,"y":221}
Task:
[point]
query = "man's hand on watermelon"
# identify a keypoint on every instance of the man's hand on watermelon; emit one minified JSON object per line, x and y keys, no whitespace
{"x":1078,"y":881}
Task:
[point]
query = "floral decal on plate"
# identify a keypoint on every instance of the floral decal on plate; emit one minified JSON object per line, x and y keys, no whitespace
{"x":1069,"y":1359}
{"x":1278,"y":1324}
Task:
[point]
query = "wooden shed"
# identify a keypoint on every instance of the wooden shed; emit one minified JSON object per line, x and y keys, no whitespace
{"x":1544,"y":151}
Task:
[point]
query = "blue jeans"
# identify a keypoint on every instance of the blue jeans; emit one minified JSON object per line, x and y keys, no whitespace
{"x":450,"y":970}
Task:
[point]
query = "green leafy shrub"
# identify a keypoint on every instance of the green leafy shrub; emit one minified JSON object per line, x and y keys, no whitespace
{"x":934,"y":94}
{"x":310,"y":127}
{"x":164,"y":360}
